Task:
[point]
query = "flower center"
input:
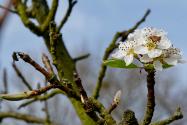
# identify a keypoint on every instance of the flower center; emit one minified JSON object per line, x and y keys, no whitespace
{"x":131,"y":51}
{"x":151,"y":45}
{"x":152,"y":42}
{"x":155,"y":39}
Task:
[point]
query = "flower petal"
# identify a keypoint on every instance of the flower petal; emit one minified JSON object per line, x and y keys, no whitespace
{"x":171,"y":61}
{"x":154,"y":53}
{"x":164,"y":43}
{"x":157,"y":65}
{"x":141,"y":50}
{"x":145,"y":59}
{"x":128,"y":59}
{"x":118,"y":54}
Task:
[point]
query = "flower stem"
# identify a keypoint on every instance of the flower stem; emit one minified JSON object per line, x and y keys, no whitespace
{"x":150,"y":98}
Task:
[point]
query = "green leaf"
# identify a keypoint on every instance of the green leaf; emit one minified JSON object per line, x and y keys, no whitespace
{"x":117,"y":63}
{"x":165,"y":66}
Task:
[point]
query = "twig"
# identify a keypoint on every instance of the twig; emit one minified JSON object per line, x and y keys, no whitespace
{"x":46,"y":110}
{"x":28,"y":59}
{"x":71,"y":4}
{"x":42,"y":98}
{"x":110,"y":49}
{"x":124,"y":34}
{"x":103,"y":68}
{"x":115,"y":101}
{"x":21,"y":9}
{"x":51,"y":15}
{"x":47,"y":64}
{"x":27,"y":94}
{"x":8,"y":9}
{"x":5,"y":13}
{"x":19,"y":74}
{"x":23,"y":117}
{"x":176,"y":116}
{"x":150,"y":98}
{"x":5,"y":82}
{"x":81,"y":57}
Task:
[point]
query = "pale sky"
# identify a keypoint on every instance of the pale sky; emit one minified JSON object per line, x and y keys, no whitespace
{"x":93,"y":24}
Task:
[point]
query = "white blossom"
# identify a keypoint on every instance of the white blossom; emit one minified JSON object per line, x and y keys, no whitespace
{"x":152,"y":40}
{"x":150,"y":46}
{"x":126,"y":51}
{"x":171,"y":56}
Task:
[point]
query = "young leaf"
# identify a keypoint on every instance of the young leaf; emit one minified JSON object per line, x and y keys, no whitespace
{"x":165,"y":66}
{"x":117,"y":63}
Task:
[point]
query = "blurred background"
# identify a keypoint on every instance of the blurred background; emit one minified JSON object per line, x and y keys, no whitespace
{"x":89,"y":30}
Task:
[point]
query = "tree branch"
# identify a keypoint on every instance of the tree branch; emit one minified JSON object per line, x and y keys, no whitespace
{"x":124,"y":34}
{"x":19,"y":74}
{"x":8,"y":9}
{"x":5,"y":81}
{"x":47,"y":64}
{"x":26,"y":94}
{"x":42,"y":97}
{"x":81,"y":57}
{"x":20,"y":116}
{"x":176,"y":116}
{"x":51,"y":15}
{"x":150,"y":98}
{"x":29,"y":60}
{"x":108,"y":120}
{"x":71,"y":4}
{"x":115,"y":101}
{"x":21,"y":9}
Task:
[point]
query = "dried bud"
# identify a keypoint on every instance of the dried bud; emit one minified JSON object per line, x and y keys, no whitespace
{"x":117,"y":97}
{"x":82,"y":99}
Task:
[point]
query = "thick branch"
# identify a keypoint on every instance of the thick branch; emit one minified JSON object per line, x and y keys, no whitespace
{"x":110,"y":49}
{"x":150,"y":98}
{"x":103,"y":112}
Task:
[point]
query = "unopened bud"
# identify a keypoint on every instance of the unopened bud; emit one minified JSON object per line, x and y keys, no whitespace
{"x":82,"y":99}
{"x":117,"y":97}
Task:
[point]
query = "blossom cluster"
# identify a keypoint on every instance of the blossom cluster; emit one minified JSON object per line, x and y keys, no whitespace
{"x":150,"y":46}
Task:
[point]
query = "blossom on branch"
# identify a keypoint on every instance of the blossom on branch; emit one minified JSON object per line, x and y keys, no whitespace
{"x":150,"y":46}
